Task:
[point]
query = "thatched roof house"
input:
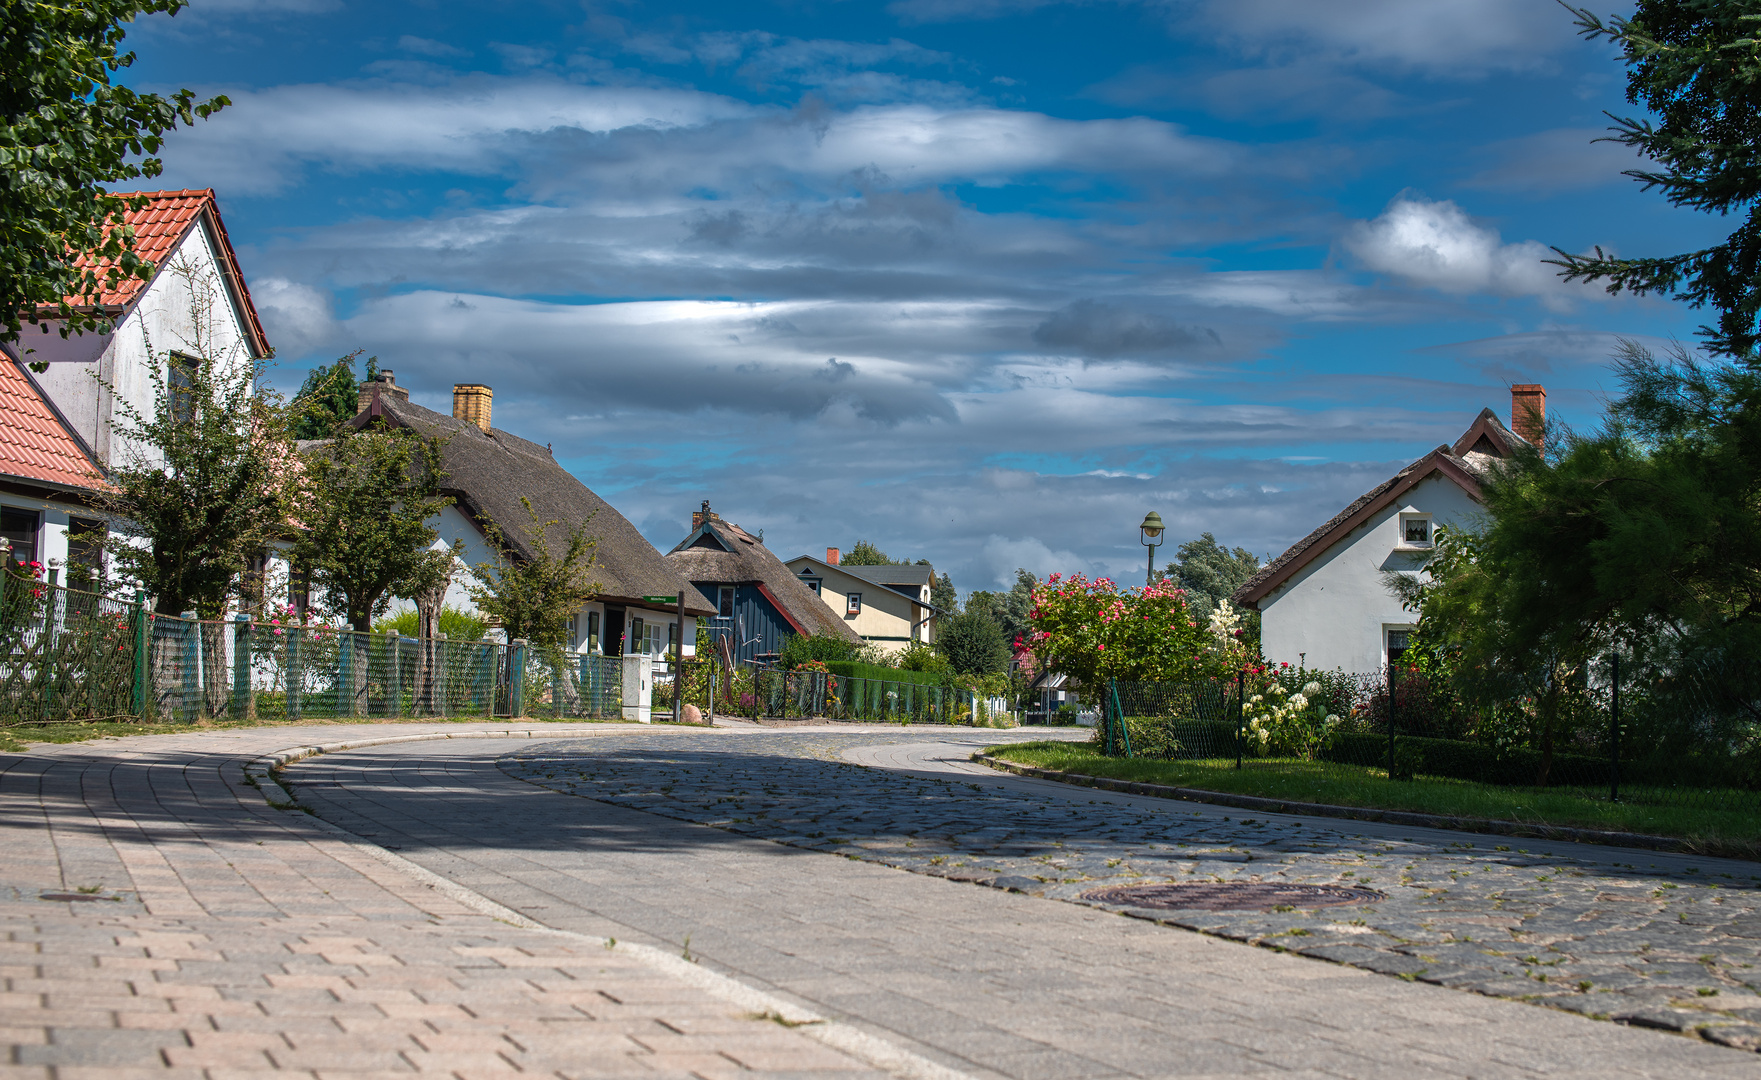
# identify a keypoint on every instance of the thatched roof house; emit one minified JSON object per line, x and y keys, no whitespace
{"x":759,"y":601}
{"x":487,"y":472}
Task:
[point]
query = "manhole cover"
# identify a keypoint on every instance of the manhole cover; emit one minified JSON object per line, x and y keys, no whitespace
{"x":1233,"y":895}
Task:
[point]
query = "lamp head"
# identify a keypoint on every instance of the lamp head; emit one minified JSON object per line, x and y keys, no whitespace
{"x":1152,"y":529}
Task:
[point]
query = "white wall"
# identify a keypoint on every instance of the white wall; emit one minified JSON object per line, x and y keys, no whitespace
{"x":1337,"y":610}
{"x":163,"y":321}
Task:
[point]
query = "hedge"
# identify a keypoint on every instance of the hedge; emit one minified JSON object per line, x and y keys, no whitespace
{"x":851,"y":669}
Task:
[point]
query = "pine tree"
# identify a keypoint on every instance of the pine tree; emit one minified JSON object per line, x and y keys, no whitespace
{"x":1696,"y":65}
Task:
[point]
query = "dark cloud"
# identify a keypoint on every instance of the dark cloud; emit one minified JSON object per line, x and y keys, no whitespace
{"x":1102,"y":331}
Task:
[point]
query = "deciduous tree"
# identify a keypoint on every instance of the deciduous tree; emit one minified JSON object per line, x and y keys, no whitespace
{"x":66,"y":132}
{"x":533,"y":597}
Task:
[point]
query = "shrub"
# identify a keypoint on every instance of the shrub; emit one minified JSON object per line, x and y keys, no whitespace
{"x":455,"y":622}
{"x":798,"y":649}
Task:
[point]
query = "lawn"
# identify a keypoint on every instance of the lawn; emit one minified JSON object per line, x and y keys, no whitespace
{"x":1706,"y":825}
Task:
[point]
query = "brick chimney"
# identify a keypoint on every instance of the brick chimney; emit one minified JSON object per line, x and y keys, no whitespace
{"x":698,"y":517}
{"x":831,"y":556}
{"x":1528,"y":411}
{"x":471,"y":403}
{"x":383,"y":383}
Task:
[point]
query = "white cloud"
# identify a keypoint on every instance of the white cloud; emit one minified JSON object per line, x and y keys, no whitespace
{"x":263,"y":141}
{"x":1435,"y":245}
{"x":295,"y":317}
{"x":1446,"y":36}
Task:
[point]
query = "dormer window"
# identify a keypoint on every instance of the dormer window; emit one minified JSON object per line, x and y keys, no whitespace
{"x":1416,"y":531}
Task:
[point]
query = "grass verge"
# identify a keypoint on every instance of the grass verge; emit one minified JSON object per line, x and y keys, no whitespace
{"x":18,"y":739}
{"x":1708,"y":829}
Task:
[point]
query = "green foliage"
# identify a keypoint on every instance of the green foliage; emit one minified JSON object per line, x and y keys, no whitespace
{"x":1696,"y":65}
{"x":1209,"y":572}
{"x":330,"y":397}
{"x":1094,"y":631}
{"x":800,"y":648}
{"x":66,"y":131}
{"x":1012,"y":611}
{"x":208,"y":479}
{"x":917,"y":656}
{"x":455,"y":622}
{"x":973,"y":643}
{"x":533,"y":598}
{"x":366,"y":537}
{"x":942,"y":594}
{"x":865,"y":554}
{"x":851,"y":669}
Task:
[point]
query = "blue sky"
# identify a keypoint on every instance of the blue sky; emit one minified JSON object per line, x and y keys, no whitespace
{"x":981,"y":281}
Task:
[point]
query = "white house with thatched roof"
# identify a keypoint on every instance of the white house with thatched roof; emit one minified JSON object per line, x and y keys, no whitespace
{"x":488,"y":470}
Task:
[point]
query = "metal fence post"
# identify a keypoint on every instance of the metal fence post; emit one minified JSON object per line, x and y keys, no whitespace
{"x":345,"y":673}
{"x":140,"y":653}
{"x":1391,"y":720}
{"x":1614,"y":734}
{"x":296,"y":676}
{"x":517,"y":680}
{"x":1240,"y":715}
{"x":244,"y":703}
{"x":192,"y":665}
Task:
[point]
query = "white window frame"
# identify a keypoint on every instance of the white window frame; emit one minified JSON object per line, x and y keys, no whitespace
{"x":853,"y":603}
{"x":1430,"y":532}
{"x":1388,"y":631}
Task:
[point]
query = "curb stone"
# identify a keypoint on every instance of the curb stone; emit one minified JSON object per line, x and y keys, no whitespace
{"x":1392,"y":817}
{"x":842,"y":1037}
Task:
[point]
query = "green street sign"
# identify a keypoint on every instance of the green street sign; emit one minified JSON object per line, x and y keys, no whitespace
{"x":660,"y":599}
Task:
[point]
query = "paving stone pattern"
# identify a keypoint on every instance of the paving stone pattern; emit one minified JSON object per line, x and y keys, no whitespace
{"x":1608,"y":939}
{"x":215,"y":937}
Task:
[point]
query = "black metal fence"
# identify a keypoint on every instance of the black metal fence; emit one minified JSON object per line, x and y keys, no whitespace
{"x":1612,"y":741}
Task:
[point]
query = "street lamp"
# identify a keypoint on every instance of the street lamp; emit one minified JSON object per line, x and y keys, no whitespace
{"x":1152,"y":529}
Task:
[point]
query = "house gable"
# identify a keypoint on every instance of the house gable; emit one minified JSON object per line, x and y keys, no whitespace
{"x":1438,"y":462}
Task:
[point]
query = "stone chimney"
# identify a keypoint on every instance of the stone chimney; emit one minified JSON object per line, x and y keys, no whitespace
{"x":471,"y":403}
{"x":383,"y":383}
{"x":1528,"y":411}
{"x":831,"y":556}
{"x":698,"y":517}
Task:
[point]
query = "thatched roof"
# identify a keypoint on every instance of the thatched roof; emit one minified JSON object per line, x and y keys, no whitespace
{"x":721,"y":553}
{"x":488,"y":471}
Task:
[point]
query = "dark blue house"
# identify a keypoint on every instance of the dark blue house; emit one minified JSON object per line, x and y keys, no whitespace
{"x":759,"y":602}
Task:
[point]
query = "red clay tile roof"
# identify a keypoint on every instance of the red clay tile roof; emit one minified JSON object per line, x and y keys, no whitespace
{"x":34,"y":443}
{"x":159,"y":227}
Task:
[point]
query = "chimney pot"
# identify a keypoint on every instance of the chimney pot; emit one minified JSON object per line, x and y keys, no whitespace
{"x":1528,"y":412}
{"x":831,"y":556}
{"x":471,"y":403}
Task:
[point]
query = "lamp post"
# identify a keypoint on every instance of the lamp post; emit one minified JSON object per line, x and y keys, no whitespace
{"x":1151,"y":529}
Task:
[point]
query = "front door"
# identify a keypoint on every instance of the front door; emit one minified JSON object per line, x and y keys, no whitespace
{"x":612,"y":644}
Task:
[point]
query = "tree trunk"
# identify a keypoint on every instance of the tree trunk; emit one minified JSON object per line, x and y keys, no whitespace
{"x":429,"y":688}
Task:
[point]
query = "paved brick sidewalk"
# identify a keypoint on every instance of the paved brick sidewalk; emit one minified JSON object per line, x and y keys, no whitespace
{"x":993,"y":982}
{"x":229,"y":939}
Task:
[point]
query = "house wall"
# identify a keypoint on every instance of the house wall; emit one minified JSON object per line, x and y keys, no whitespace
{"x":165,"y":319}
{"x":756,"y":625}
{"x":887,"y":616}
{"x":1337,"y":610}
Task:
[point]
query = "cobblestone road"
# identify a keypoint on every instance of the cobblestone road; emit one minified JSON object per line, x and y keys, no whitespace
{"x":992,"y":982}
{"x":1626,"y":936}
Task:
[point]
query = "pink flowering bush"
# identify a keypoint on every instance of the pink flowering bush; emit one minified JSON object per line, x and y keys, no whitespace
{"x":1095,"y":631}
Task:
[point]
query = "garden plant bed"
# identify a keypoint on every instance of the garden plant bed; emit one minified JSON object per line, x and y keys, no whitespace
{"x":1331,"y":790}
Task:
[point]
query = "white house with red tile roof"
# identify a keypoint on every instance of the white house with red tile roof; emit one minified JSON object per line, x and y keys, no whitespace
{"x":1324,"y":602}
{"x":47,"y":478}
{"x":195,"y":302}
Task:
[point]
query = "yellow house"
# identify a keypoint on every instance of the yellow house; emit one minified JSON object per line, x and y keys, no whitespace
{"x":886,"y":605}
